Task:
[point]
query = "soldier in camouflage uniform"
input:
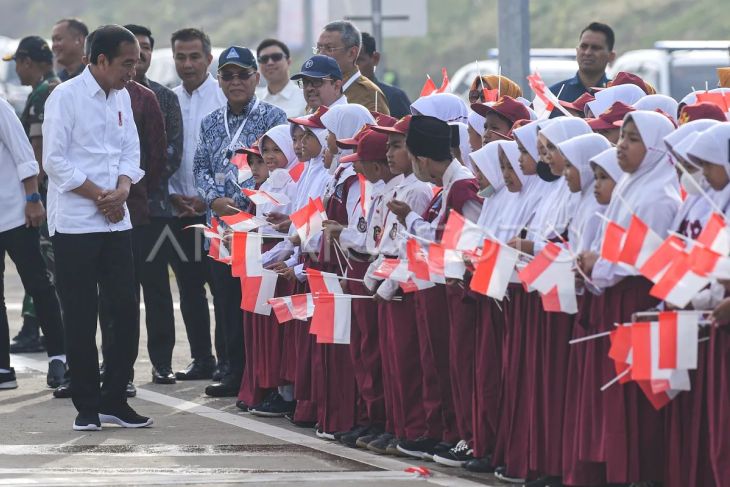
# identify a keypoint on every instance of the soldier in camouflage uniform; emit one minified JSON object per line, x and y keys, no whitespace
{"x":34,"y":66}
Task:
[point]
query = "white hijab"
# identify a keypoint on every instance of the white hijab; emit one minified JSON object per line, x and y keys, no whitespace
{"x":281,"y":136}
{"x":444,"y":106}
{"x":608,"y":161}
{"x":673,"y":140}
{"x":476,"y":122}
{"x":585,"y":223}
{"x":518,"y":213}
{"x":665,"y":103}
{"x":346,"y":119}
{"x":527,"y":136}
{"x":493,"y":209}
{"x":464,"y":146}
{"x":628,"y":94}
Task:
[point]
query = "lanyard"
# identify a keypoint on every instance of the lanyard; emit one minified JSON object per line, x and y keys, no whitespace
{"x":350,"y":81}
{"x":240,"y":127}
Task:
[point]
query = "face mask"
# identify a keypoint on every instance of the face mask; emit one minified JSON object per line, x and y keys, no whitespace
{"x":692,"y":182}
{"x":544,"y":173}
{"x":486,"y":192}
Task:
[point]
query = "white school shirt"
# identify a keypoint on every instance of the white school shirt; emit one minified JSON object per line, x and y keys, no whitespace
{"x":195,"y":107}
{"x":87,"y":135}
{"x":17,"y":162}
{"x":290,"y":99}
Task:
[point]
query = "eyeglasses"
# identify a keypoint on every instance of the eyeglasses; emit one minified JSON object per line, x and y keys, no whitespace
{"x":328,"y":49}
{"x":231,"y":76}
{"x":276,"y":57}
{"x":313,"y":82}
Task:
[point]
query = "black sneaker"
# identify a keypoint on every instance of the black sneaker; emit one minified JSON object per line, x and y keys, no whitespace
{"x":480,"y":465}
{"x":545,"y":482}
{"x":242,"y":406}
{"x":56,"y":373}
{"x":364,"y":441}
{"x":350,"y":438}
{"x":438,"y":449}
{"x":300,"y":424}
{"x":197,"y":370}
{"x":380,"y":444}
{"x":131,"y":390}
{"x":87,"y":422}
{"x":8,"y":380}
{"x":324,"y":435}
{"x":392,"y":448}
{"x":124,"y":416}
{"x":27,"y":344}
{"x":275,"y":407}
{"x":456,"y":457}
{"x":501,"y":474}
{"x":416,"y":448}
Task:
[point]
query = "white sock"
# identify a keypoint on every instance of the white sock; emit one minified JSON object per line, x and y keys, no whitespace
{"x":62,"y":358}
{"x":287,"y":392}
{"x":4,"y":371}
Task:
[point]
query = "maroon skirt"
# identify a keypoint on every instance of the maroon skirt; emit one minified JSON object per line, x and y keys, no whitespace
{"x":718,"y":399}
{"x":250,"y":392}
{"x":627,"y":432}
{"x":269,"y":342}
{"x":433,"y":337}
{"x":488,"y":375}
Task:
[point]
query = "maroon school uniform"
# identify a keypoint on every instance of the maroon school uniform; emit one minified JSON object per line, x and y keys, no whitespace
{"x":718,"y":398}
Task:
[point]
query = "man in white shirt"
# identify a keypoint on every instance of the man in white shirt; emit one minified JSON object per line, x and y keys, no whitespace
{"x":199,"y":94}
{"x":22,"y":214}
{"x":274,"y":63}
{"x":91,"y":155}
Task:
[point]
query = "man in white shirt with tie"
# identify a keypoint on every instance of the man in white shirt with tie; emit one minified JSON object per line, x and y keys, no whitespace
{"x":91,"y":154}
{"x":199,"y":94}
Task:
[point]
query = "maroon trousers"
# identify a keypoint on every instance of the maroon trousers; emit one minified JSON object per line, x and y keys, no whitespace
{"x":718,"y":399}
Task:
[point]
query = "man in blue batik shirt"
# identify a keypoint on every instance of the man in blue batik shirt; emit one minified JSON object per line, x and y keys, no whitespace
{"x":240,"y":123}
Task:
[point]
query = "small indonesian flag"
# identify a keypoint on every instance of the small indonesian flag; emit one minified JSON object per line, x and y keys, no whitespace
{"x":613,"y":239}
{"x":657,"y":400}
{"x":490,"y":95}
{"x":218,"y":249}
{"x":243,"y":222}
{"x":446,"y":262}
{"x":645,"y":344}
{"x":494,"y":269}
{"x":680,"y":283}
{"x":418,"y":263}
{"x":297,"y":307}
{"x":414,"y":285}
{"x":394,"y":269}
{"x":678,"y":339}
{"x":256,"y":291}
{"x":429,"y":87}
{"x":297,"y":171}
{"x":620,"y":350}
{"x":240,"y":160}
{"x":460,"y":233}
{"x":308,"y":220}
{"x":639,"y":244}
{"x":540,"y":273}
{"x":208,"y":232}
{"x":246,"y":255}
{"x":323,"y":282}
{"x":715,"y":235}
{"x":719,"y":99}
{"x":655,"y":266}
{"x":561,"y":298}
{"x":260,"y":197}
{"x":332,"y":318}
{"x":366,"y":194}
{"x":545,"y":101}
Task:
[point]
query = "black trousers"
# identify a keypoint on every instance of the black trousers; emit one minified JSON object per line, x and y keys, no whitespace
{"x":85,"y":264}
{"x":227,"y":295}
{"x":22,"y":244}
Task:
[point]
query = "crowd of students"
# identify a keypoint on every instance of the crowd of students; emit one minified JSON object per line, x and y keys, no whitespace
{"x":351,"y":268}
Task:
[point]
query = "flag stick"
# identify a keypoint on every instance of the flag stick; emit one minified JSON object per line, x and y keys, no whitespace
{"x":376,"y":101}
{"x":479,"y":73}
{"x":337,"y":256}
{"x":342,"y":278}
{"x":703,"y":339}
{"x":573,"y":255}
{"x":354,"y":296}
{"x":588,"y":338}
{"x":615,"y":379}
{"x":344,"y":256}
{"x":499,"y":82}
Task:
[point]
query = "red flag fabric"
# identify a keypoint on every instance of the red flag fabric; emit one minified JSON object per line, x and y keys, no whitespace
{"x":297,"y":171}
{"x":494,"y":269}
{"x":323,"y":282}
{"x":444,"y":81}
{"x":612,"y":242}
{"x":460,"y":233}
{"x":331,"y":321}
{"x":246,"y":255}
{"x":296,"y":307}
{"x":243,"y":222}
{"x":639,"y":244}
{"x":719,"y":99}
{"x":429,"y":87}
{"x":654,"y":267}
{"x":256,"y":291}
{"x":260,"y":197}
{"x":715,"y":235}
{"x":240,"y":160}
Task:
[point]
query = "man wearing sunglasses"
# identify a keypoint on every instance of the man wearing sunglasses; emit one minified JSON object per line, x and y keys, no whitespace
{"x":241,"y":122}
{"x":321,"y":82}
{"x":274,"y":61}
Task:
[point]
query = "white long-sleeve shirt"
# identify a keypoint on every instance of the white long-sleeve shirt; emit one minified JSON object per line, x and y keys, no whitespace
{"x":87,"y":135}
{"x":17,"y":163}
{"x":195,"y":107}
{"x":290,"y":99}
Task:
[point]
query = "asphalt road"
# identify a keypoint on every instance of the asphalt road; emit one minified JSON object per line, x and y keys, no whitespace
{"x":195,"y":440}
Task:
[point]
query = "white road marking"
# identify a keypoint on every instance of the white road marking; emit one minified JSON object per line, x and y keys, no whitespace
{"x":385,"y":463}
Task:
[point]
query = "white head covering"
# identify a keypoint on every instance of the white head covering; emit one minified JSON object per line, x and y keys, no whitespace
{"x":464,"y":146}
{"x":444,"y":106}
{"x":346,"y":119}
{"x":487,"y":160}
{"x":665,"y":103}
{"x":713,"y":146}
{"x":691,"y":97}
{"x":628,"y":94}
{"x":687,"y":129}
{"x":564,"y":128}
{"x":476,"y":122}
{"x":281,"y":136}
{"x":495,"y":207}
{"x":527,"y":136}
{"x":608,"y":161}
{"x":579,"y":151}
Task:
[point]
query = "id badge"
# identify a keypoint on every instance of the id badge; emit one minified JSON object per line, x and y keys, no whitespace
{"x":220,"y":178}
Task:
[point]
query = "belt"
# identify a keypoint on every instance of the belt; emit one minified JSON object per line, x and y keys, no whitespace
{"x":360,"y":257}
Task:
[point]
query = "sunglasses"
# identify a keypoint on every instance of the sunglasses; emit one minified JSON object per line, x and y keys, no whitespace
{"x":276,"y":57}
{"x":231,"y":76}
{"x":313,"y":82}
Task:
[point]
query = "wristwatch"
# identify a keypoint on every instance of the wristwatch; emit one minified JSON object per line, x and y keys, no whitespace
{"x":33,"y":197}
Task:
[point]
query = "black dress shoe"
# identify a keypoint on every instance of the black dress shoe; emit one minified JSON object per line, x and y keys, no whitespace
{"x":221,"y":369}
{"x":163,"y":375}
{"x":228,"y":387}
{"x":56,"y":373}
{"x":242,"y":406}
{"x":63,"y":391}
{"x":27,"y":344}
{"x":197,"y":370}
{"x":480,"y":465}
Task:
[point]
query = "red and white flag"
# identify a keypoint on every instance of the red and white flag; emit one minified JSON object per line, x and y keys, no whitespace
{"x":680,"y":283}
{"x":613,"y":239}
{"x":296,"y":307}
{"x":544,"y":271}
{"x":429,"y":87}
{"x":323,"y":282}
{"x":545,"y":100}
{"x":460,"y":233}
{"x":414,"y":285}
{"x":308,"y":220}
{"x":657,"y":264}
{"x":218,"y":249}
{"x":366,"y":194}
{"x":246,"y":255}
{"x":394,"y":269}
{"x":716,"y":235}
{"x":332,"y":318}
{"x":256,"y":291}
{"x":645,"y":344}
{"x":446,"y":262}
{"x":208,"y":232}
{"x":639,"y":244}
{"x":296,"y":172}
{"x":678,"y":340}
{"x":418,"y":264}
{"x":494,"y":269}
{"x":240,"y":160}
{"x":243,"y":222}
{"x":562,"y":298}
{"x":261,"y":197}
